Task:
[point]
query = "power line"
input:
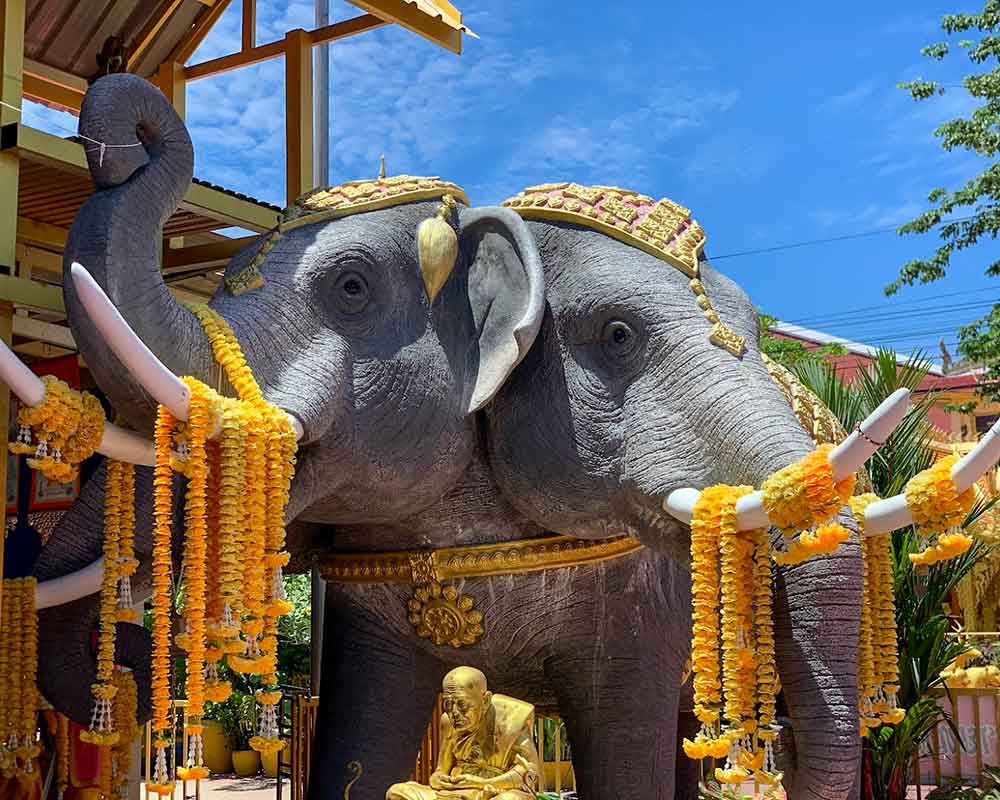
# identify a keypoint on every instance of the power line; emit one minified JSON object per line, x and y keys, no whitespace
{"x":867,"y":319}
{"x":827,"y":240}
{"x":881,"y":307}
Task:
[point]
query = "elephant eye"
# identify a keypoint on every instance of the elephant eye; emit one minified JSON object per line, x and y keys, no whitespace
{"x":618,"y":339}
{"x":351,"y":292}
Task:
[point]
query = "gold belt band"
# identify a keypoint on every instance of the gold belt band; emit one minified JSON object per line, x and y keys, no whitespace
{"x":477,"y":561}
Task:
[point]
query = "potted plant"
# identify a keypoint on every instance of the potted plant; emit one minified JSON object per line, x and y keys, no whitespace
{"x":236,"y":716}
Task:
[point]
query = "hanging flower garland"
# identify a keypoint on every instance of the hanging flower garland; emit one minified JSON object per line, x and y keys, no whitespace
{"x":127,"y":562}
{"x":803,"y":497}
{"x":766,"y":772}
{"x":161,"y":782}
{"x":60,"y":432}
{"x":62,"y":755}
{"x":126,"y":709}
{"x":101,"y":731}
{"x":938,"y":512}
{"x":18,"y":694}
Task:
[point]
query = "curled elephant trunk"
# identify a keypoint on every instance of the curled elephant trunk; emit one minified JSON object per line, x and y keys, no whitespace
{"x":816,"y":610}
{"x":117,"y":233}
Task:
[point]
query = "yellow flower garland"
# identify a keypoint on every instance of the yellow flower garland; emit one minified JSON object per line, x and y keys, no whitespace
{"x":804,"y":497}
{"x":67,"y":427}
{"x":62,"y":755}
{"x":8,"y":657}
{"x":101,"y":731}
{"x":939,"y":511}
{"x":18,"y":694}
{"x":161,"y":782}
{"x":126,"y":707}
{"x":127,"y":562}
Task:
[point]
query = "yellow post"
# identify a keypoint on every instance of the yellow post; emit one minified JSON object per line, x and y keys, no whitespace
{"x":170,"y":81}
{"x":11,"y":87}
{"x":298,"y":114}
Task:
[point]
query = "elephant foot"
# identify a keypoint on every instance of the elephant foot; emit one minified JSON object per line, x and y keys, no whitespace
{"x":377,"y":696}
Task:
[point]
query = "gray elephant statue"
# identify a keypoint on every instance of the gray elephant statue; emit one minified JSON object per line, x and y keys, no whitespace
{"x":483,"y":470}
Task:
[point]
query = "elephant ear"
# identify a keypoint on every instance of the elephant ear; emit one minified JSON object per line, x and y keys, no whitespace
{"x":506,"y":289}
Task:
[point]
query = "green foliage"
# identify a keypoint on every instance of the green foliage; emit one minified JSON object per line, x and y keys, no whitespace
{"x":979,"y":199}
{"x":236,"y":716}
{"x":790,"y":352}
{"x":921,"y":625}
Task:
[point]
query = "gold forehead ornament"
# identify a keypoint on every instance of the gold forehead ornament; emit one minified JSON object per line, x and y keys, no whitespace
{"x":357,"y":197}
{"x":661,"y":228}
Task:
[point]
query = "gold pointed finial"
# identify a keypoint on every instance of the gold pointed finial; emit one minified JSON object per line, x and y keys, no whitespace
{"x":381,"y":167}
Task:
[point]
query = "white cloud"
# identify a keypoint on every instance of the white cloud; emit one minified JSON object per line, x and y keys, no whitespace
{"x":852,"y":97}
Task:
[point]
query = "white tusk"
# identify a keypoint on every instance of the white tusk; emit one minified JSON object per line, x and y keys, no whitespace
{"x":66,"y":589}
{"x":165,"y":387}
{"x":885,"y":516}
{"x":116,"y":443}
{"x":845,"y":459}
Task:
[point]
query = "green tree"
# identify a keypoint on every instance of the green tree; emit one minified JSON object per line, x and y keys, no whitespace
{"x":965,"y":215}
{"x":790,"y":352}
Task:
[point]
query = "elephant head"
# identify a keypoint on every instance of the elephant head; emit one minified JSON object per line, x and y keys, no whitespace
{"x":641,"y":398}
{"x":382,"y":374}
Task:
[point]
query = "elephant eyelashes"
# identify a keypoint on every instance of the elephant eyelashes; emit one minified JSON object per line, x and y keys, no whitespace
{"x":619,"y":340}
{"x":351,"y":292}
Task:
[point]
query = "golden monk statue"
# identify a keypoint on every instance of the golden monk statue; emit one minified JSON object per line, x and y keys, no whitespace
{"x":487,"y":751}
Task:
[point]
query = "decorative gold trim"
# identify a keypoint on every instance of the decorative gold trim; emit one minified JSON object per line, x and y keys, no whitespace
{"x":477,"y":561}
{"x":343,"y":200}
{"x":444,"y":616}
{"x":663,"y":228}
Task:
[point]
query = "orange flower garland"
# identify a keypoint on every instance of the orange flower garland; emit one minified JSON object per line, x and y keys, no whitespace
{"x":18,"y":695}
{"x":100,"y":731}
{"x":60,"y":432}
{"x":127,"y":563}
{"x":8,"y":657}
{"x":804,"y":497}
{"x":161,"y":782}
{"x":939,"y":511}
{"x":62,"y":755}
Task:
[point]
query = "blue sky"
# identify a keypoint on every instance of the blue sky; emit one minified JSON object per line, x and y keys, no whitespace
{"x":775,"y":123}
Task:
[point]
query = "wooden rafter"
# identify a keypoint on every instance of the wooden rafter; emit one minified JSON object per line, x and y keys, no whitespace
{"x":149,"y":31}
{"x":412,"y":18}
{"x":249,"y":24}
{"x":205,"y":22}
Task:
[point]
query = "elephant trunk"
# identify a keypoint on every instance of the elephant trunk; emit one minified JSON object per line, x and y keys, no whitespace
{"x":817,"y":604}
{"x":140,"y":178}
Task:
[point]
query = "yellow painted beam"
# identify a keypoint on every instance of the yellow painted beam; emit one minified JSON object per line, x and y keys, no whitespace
{"x":228,"y":209}
{"x":53,"y":86}
{"x":298,"y":114}
{"x":412,"y":18}
{"x":249,"y":25}
{"x":265,"y":52}
{"x":44,"y":148}
{"x":40,"y":331}
{"x":203,"y":254}
{"x":31,"y":294}
{"x":41,"y":233}
{"x":170,"y":81}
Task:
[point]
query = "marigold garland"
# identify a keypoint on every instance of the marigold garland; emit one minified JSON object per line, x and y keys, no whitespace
{"x":737,"y":713}
{"x":62,"y":755}
{"x":101,"y":730}
{"x":18,"y":694}
{"x":60,"y":432}
{"x":161,"y":782}
{"x":127,"y":562}
{"x":938,"y":512}
{"x":803,"y":497}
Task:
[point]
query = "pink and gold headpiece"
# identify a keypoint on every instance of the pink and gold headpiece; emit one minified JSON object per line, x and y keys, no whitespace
{"x":662,"y":228}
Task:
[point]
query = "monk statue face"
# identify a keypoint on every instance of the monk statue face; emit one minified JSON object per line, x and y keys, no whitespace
{"x":466,"y":698}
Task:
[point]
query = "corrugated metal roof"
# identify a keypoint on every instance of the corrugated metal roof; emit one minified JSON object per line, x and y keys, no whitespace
{"x":68,"y":34}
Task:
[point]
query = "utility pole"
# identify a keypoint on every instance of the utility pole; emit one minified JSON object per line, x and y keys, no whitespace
{"x":321,"y":139}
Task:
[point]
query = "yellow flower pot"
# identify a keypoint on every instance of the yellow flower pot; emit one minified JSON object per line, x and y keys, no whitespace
{"x":270,"y":762}
{"x":246,"y":762}
{"x":218,"y":757}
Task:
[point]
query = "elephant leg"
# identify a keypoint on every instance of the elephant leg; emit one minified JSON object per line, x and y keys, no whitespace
{"x":688,"y":771}
{"x":377,"y":696}
{"x":621,"y":716}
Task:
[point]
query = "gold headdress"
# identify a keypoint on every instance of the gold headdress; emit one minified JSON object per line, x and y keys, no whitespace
{"x":661,"y":228}
{"x":357,"y":197}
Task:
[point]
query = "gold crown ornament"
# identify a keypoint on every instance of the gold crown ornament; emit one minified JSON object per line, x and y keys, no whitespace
{"x":662,"y":228}
{"x":437,"y":251}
